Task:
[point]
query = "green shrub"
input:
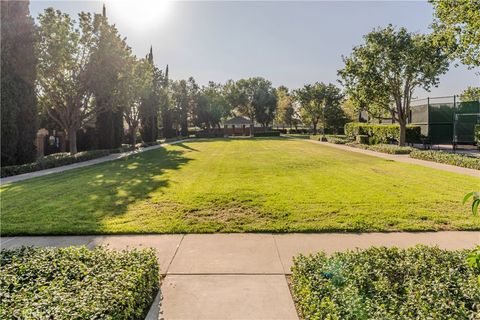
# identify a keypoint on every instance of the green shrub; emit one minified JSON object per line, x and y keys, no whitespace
{"x":267,"y":134}
{"x":455,"y":159}
{"x":384,"y":148}
{"x":390,"y":148}
{"x":52,"y":161}
{"x":362,"y":139}
{"x":77,"y":283}
{"x":337,"y":139}
{"x":382,"y":133}
{"x":382,"y":283}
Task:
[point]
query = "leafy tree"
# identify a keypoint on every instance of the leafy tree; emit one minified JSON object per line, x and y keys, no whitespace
{"x":394,"y":62}
{"x":457,"y":28}
{"x":212,"y":106}
{"x":312,"y":102}
{"x":254,"y":98}
{"x":335,"y":117}
{"x":265,"y":104}
{"x":470,"y":94}
{"x":64,"y":51}
{"x":286,"y":110}
{"x":136,"y":86}
{"x":179,"y":104}
{"x":18,"y":74}
{"x":107,"y":62}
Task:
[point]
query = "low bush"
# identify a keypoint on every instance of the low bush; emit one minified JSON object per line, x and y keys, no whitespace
{"x":77,"y":283}
{"x":52,"y":161}
{"x":298,"y":131}
{"x":387,"y":283}
{"x":337,"y":139}
{"x":384,"y":148}
{"x":362,"y":139}
{"x":267,"y":134}
{"x":455,"y":159}
{"x":382,"y":133}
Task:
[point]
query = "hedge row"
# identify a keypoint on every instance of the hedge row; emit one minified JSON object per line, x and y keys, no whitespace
{"x":52,"y":161}
{"x":382,"y":283}
{"x":77,"y":283}
{"x":64,"y":158}
{"x":384,"y":148}
{"x":382,"y":133}
{"x":267,"y":134}
{"x":447,"y":158}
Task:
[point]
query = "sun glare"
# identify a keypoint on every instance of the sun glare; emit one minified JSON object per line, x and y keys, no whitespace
{"x":140,"y":14}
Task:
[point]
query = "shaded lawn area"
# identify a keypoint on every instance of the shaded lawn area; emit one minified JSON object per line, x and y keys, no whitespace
{"x":270,"y":184}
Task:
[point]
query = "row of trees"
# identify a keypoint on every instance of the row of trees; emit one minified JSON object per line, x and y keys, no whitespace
{"x":70,"y":75}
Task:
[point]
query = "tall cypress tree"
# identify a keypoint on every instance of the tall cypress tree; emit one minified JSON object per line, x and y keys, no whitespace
{"x":18,"y":74}
{"x":166,"y":113}
{"x":150,"y":106}
{"x":106,"y":65}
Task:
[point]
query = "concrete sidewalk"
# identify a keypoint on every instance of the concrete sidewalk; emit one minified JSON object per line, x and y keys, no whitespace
{"x":110,"y":157}
{"x":239,"y":276}
{"x":403,"y":158}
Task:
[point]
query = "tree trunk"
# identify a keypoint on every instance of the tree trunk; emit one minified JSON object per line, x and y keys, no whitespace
{"x":72,"y":140}
{"x":403,"y":133}
{"x":314,"y":128}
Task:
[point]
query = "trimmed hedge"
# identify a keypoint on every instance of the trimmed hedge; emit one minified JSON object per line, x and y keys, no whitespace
{"x":384,"y":148}
{"x":267,"y":134}
{"x":455,"y":159}
{"x":52,"y":161}
{"x":382,"y":283}
{"x":77,"y":283}
{"x":382,"y":133}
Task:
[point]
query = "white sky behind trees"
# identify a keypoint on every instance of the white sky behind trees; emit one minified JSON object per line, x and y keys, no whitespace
{"x":289,"y":43}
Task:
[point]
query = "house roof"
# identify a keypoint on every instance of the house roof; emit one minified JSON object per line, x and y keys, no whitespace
{"x":237,"y":121}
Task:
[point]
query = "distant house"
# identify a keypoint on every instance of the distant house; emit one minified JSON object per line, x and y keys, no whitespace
{"x":238,"y":126}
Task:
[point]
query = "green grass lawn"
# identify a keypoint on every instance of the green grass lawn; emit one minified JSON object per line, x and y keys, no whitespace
{"x":275,"y":184}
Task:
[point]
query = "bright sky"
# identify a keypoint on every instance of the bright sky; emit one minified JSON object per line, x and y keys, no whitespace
{"x":289,"y":43}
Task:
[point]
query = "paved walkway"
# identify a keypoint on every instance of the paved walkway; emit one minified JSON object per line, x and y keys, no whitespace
{"x":239,"y":276}
{"x":403,"y":158}
{"x":82,"y":164}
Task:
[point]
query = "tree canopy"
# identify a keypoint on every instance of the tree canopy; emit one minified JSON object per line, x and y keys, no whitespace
{"x":385,"y":71}
{"x":457,"y":28}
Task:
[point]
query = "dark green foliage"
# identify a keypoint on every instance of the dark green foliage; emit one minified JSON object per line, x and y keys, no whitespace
{"x":267,"y":134}
{"x":109,"y":129}
{"x":382,"y":133}
{"x":381,"y":283}
{"x":454,"y":159}
{"x":384,"y":148}
{"x":150,"y":107}
{"x":18,"y":74}
{"x":52,"y":161}
{"x":362,"y":139}
{"x":77,"y":283}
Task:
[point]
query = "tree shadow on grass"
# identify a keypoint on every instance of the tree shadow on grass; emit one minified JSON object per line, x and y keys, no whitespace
{"x":80,"y":201}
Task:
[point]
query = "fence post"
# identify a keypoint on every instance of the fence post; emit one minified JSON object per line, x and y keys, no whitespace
{"x":454,"y":142}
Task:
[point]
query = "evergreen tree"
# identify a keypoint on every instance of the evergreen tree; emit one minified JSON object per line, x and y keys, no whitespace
{"x":18,"y":74}
{"x":150,"y":106}
{"x":107,"y":64}
{"x":165,"y":108}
